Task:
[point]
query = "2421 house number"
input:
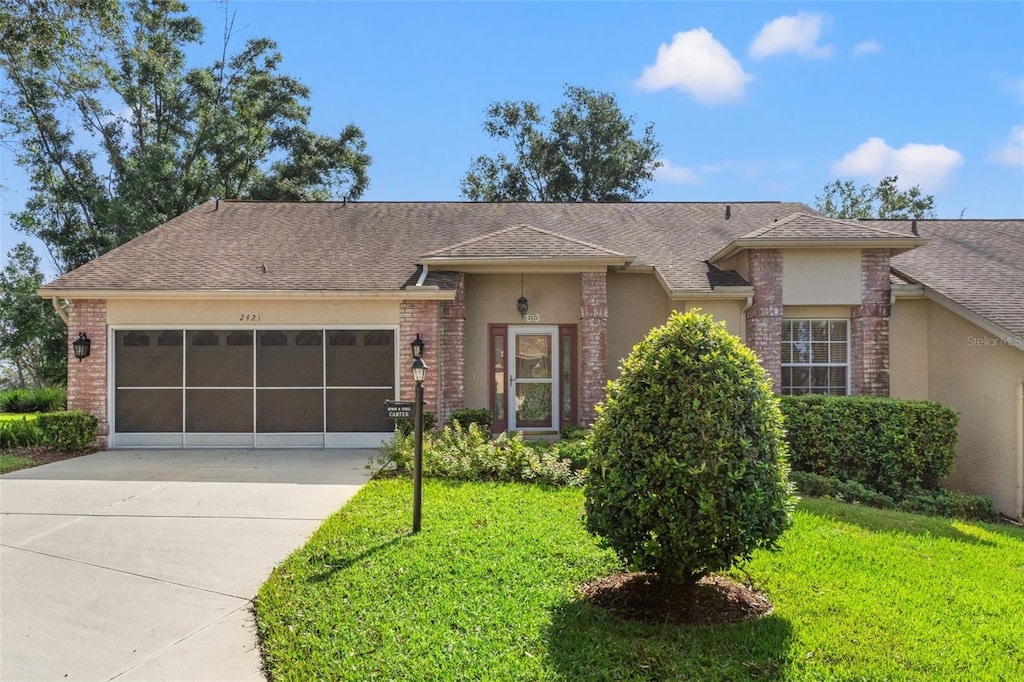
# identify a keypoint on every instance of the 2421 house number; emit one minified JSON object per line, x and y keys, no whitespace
{"x":250,"y":317}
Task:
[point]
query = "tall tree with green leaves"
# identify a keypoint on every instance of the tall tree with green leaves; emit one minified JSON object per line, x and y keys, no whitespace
{"x":587,"y":151}
{"x":117,"y":134}
{"x":843,"y":199}
{"x":33,"y":350}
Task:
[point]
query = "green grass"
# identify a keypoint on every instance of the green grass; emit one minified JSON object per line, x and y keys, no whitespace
{"x":9,"y":463}
{"x":488,"y":591}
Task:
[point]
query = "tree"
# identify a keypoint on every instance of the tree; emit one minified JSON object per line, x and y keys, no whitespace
{"x":587,"y":152}
{"x":33,"y":339}
{"x":117,"y":135}
{"x":688,"y":471}
{"x":843,"y":199}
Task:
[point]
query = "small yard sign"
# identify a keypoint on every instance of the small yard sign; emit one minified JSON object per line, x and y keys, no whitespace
{"x":398,"y":410}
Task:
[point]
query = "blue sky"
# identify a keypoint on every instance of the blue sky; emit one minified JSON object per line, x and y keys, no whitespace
{"x":751,"y":101}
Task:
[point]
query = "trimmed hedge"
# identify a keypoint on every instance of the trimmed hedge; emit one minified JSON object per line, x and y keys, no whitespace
{"x":28,"y":400}
{"x":19,"y":433}
{"x":68,"y":430}
{"x":466,"y":416}
{"x":895,"y":447}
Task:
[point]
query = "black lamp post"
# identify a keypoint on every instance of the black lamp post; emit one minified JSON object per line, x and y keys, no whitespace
{"x":81,"y":345}
{"x":419,"y":373}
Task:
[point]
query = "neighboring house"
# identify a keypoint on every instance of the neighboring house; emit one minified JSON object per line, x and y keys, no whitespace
{"x":288,"y":324}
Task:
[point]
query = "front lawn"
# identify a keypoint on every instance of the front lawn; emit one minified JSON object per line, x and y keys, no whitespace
{"x":9,"y":463}
{"x":488,"y":590}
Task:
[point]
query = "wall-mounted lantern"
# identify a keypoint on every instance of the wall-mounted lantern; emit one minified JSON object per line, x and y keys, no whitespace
{"x":82,"y":346}
{"x":522,"y":305}
{"x":417,"y":348}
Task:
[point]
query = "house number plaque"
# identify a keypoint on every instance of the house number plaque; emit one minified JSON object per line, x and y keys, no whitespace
{"x":532,"y":317}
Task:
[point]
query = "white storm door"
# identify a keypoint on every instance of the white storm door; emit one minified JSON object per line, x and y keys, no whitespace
{"x":533,"y":371}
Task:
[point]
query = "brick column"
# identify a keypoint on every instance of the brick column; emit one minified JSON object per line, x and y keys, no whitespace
{"x":593,"y":343}
{"x":420,"y":317}
{"x":87,"y":379}
{"x":764,"y":319}
{"x":869,"y":327}
{"x":453,"y":352}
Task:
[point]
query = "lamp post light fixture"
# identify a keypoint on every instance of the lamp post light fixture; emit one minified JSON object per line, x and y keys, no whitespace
{"x":419,"y":373}
{"x":82,"y":346}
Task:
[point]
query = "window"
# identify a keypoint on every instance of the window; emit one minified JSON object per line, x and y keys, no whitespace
{"x":815,"y":357}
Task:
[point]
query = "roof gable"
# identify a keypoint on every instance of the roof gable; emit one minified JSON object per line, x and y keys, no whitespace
{"x":524,"y":241}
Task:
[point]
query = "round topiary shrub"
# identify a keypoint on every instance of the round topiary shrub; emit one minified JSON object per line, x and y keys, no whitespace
{"x":689,"y":471}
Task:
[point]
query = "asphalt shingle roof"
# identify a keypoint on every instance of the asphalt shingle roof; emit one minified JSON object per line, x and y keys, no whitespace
{"x":976,"y":263}
{"x":374,"y":246}
{"x":524,"y":241}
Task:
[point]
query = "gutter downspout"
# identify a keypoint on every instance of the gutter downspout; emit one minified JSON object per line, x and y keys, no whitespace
{"x":743,"y":316}
{"x":423,"y":274}
{"x":60,"y":311}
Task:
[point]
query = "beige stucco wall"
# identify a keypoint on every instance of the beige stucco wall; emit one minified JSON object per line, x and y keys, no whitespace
{"x":821,"y":277}
{"x":728,"y":311}
{"x":908,"y":349}
{"x":636,"y":303}
{"x":979,"y":375}
{"x":491,"y":299}
{"x":255,"y":312}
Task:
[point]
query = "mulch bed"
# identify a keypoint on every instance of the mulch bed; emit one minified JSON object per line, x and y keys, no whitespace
{"x":41,"y":455}
{"x":644,"y":597}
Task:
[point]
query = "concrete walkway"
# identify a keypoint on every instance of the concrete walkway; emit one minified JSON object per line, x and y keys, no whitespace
{"x":141,"y":565}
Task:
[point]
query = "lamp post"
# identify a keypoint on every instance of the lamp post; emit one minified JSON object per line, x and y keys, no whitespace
{"x":419,"y":373}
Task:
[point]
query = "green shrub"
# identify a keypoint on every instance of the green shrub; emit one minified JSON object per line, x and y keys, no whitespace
{"x":406,"y":425}
{"x":951,"y":503}
{"x":573,"y":432}
{"x":576,"y":450}
{"x":27,"y":400}
{"x":939,"y":502}
{"x":814,"y":485}
{"x":68,"y":430}
{"x":472,"y":455}
{"x":688,"y":472}
{"x":465,"y":417}
{"x":893,"y":446}
{"x":19,"y":433}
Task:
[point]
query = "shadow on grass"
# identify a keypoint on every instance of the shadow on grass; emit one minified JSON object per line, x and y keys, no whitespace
{"x":585,"y":642}
{"x":903,"y":523}
{"x":332,"y":564}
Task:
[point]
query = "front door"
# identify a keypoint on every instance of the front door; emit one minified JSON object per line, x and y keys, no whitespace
{"x":532,"y":378}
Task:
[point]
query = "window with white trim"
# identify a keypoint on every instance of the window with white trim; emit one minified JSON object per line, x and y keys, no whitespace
{"x":815,"y":357}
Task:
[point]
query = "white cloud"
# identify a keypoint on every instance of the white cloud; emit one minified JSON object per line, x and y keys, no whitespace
{"x":678,"y":175}
{"x":1011,"y":151}
{"x":928,"y":165}
{"x":699,"y":65}
{"x":798,"y":34}
{"x":867,"y":47}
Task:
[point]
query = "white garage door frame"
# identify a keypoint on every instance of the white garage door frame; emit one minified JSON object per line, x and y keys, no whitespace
{"x":183,"y":439}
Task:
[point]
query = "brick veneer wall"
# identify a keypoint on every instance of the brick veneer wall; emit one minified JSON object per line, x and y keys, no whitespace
{"x":453,"y":352}
{"x":87,"y":379}
{"x":764,"y":319}
{"x":869,"y":327}
{"x":593,"y":343}
{"x":420,"y":317}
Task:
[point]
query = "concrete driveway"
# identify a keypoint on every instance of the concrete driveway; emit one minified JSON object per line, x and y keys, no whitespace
{"x":141,"y":565}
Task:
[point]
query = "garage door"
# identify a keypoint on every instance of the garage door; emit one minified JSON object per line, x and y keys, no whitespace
{"x":252,"y":387}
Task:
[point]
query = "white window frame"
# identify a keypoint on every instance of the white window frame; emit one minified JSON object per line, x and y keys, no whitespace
{"x":785,"y":389}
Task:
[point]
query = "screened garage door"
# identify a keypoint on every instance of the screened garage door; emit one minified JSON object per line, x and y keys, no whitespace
{"x":252,"y":387}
